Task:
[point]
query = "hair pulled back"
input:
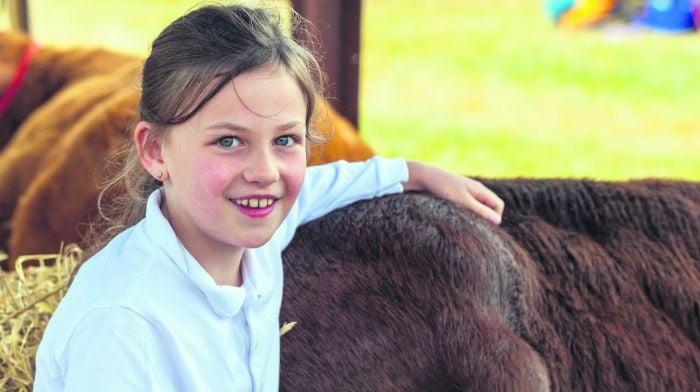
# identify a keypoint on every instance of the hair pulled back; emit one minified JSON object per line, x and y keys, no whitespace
{"x":190,"y":61}
{"x":217,"y":43}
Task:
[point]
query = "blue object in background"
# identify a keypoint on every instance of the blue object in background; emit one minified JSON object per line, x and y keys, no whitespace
{"x":668,"y":15}
{"x":558,"y":7}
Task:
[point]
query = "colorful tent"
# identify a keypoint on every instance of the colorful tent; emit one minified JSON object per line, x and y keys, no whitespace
{"x":669,"y":15}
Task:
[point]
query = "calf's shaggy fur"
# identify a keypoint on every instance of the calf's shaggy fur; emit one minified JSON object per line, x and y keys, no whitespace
{"x":586,"y":286}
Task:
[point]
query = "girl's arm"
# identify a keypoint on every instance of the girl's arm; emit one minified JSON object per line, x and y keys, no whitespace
{"x":331,"y":186}
{"x":460,"y":190}
{"x":108,"y":351}
{"x":335,"y":185}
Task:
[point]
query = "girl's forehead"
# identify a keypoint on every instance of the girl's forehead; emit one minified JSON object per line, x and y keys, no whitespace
{"x":267,"y":91}
{"x":263,"y":93}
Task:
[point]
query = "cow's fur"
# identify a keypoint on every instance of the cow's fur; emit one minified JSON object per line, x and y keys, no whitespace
{"x":73,"y":109}
{"x":47,"y":139}
{"x":50,"y":72}
{"x":587,"y":286}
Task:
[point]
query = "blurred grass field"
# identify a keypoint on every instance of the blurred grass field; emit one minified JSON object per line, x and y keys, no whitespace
{"x":481,"y":87}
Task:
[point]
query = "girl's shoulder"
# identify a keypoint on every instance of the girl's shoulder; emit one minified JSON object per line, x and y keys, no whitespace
{"x":125,"y":281}
{"x":121,"y":275}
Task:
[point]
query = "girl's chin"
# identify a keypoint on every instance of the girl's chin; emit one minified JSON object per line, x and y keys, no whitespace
{"x":253,"y":243}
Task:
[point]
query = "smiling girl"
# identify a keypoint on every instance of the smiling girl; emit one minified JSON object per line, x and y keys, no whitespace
{"x":187,"y":295}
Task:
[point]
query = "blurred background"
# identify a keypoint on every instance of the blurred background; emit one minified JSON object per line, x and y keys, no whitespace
{"x":481,"y":87}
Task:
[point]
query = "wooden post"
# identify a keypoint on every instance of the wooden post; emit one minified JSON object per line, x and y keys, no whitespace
{"x":338,"y":25}
{"x":19,"y":18}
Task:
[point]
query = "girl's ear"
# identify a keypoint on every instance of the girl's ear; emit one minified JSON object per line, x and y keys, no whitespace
{"x":150,"y":151}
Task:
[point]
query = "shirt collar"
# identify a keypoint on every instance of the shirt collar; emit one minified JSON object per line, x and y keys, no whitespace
{"x":255,"y":281}
{"x":225,"y":301}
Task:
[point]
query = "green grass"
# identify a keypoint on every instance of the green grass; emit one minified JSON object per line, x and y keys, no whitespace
{"x":490,"y":88}
{"x":482,"y":87}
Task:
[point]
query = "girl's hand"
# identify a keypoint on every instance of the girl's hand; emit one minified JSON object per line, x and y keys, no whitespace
{"x":460,"y":190}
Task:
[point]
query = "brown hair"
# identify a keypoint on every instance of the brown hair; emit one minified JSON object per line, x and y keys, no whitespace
{"x":190,"y":61}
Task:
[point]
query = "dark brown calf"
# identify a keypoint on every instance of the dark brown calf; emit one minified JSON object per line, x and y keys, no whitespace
{"x":587,"y":286}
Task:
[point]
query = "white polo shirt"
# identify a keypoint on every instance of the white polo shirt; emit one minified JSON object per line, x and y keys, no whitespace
{"x":142,"y":314}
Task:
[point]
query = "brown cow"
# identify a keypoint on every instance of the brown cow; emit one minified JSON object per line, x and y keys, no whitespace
{"x":40,"y":141}
{"x":586,"y":286}
{"x":50,"y":71}
{"x":51,"y":167}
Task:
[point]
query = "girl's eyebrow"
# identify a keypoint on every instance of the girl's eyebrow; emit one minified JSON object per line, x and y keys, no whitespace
{"x":235,"y":127}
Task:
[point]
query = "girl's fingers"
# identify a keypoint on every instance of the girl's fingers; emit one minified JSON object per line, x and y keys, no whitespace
{"x":486,"y":196}
{"x":460,"y":190}
{"x":492,"y":201}
{"x":485,"y":211}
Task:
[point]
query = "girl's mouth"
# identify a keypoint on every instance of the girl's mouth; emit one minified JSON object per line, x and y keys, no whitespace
{"x":255,"y":207}
{"x":254,"y":202}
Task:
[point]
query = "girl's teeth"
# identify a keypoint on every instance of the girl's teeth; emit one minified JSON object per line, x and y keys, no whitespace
{"x":254,"y":203}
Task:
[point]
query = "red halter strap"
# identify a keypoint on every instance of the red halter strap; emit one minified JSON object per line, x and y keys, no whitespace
{"x":11,"y":91}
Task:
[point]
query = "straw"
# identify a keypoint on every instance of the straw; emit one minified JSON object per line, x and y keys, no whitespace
{"x":30,"y":294}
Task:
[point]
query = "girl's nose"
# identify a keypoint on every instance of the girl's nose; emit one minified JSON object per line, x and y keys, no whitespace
{"x":261,"y":168}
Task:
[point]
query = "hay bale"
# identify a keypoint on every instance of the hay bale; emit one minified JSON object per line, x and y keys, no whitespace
{"x":29,"y":297}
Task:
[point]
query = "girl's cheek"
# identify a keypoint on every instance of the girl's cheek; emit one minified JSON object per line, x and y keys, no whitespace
{"x":294,"y":174}
{"x":212,"y":175}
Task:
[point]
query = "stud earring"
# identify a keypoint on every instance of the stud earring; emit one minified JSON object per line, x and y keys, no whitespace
{"x":159,"y":174}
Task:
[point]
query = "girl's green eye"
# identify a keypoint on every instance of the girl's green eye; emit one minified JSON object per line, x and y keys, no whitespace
{"x":228,"y":141}
{"x":285,"y":141}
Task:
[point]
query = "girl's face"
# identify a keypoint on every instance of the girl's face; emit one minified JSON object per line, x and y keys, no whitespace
{"x":234,"y":170}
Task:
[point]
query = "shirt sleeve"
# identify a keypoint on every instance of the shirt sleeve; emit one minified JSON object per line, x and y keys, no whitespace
{"x":335,"y":185}
{"x":108,"y":351}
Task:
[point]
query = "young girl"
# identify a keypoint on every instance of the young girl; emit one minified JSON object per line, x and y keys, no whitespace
{"x":187,"y":296}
